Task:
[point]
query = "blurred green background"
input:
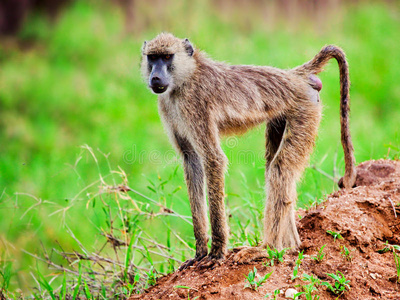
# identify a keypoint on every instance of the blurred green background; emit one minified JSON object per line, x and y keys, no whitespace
{"x":70,"y":77}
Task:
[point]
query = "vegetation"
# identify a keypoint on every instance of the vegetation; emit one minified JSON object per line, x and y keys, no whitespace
{"x":340,"y":284}
{"x":298,"y":263}
{"x":336,"y":235}
{"x":311,"y":288}
{"x":274,"y":295}
{"x":87,"y":173}
{"x":346,"y":253}
{"x":308,"y":291}
{"x":126,"y":256}
{"x":188,"y":288}
{"x":254,"y":281}
{"x":397,"y":263}
{"x":320,"y":256}
{"x":275,"y":255}
{"x":396,"y":256}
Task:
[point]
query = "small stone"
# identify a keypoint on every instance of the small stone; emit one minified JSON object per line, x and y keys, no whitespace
{"x":290,"y":293}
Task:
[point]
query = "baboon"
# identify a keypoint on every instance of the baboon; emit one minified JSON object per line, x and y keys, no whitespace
{"x":201,"y":99}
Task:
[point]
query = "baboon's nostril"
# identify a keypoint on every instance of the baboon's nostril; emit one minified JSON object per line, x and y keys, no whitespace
{"x":155,"y":80}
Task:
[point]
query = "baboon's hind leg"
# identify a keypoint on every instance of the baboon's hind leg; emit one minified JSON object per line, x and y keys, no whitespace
{"x":284,"y":169}
{"x":274,"y":134}
{"x":289,"y":144}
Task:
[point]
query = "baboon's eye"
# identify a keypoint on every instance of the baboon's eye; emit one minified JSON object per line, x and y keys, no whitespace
{"x":151,"y":57}
{"x":167,"y":56}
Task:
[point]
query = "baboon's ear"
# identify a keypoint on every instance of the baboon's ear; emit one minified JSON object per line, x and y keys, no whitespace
{"x":188,"y":47}
{"x":144,"y":46}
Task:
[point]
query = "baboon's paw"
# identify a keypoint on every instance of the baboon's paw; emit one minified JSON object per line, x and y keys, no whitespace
{"x":246,"y":255}
{"x":191,"y":262}
{"x":210,"y":262}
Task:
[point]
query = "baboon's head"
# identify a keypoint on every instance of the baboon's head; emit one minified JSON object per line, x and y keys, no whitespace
{"x":167,"y":62}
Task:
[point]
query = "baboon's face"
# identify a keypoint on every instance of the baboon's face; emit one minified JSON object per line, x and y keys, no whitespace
{"x":167,"y":62}
{"x":160,"y":66}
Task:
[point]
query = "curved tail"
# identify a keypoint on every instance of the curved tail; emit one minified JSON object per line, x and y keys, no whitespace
{"x":315,"y":66}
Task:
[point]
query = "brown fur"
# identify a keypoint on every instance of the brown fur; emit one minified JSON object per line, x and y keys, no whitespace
{"x":207,"y":99}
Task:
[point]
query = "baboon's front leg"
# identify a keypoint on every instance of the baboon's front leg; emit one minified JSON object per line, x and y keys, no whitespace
{"x":194,"y":176}
{"x":214,"y":162}
{"x":214,"y":165}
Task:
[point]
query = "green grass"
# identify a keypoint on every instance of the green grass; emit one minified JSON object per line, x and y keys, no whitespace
{"x":78,"y":83}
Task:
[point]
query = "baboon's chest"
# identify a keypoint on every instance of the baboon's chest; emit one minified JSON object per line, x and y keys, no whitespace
{"x":172,"y":115}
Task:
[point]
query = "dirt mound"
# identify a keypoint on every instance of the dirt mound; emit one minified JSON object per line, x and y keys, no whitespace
{"x":366,"y":218}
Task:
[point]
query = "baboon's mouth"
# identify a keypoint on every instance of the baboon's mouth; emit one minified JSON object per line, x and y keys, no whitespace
{"x":159,"y":89}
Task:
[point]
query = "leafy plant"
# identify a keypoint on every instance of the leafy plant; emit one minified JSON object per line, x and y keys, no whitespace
{"x":340,"y":285}
{"x":311,"y":287}
{"x":188,"y":288}
{"x":274,"y":295}
{"x":296,"y":296}
{"x":397,"y":263}
{"x":346,"y":253}
{"x":336,"y":235}
{"x":314,"y":280}
{"x":151,"y":277}
{"x":275,"y":255}
{"x":308,"y":290}
{"x":320,"y":255}
{"x":386,"y":248}
{"x":252,"y":281}
{"x":393,"y":248}
{"x":298,"y":263}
